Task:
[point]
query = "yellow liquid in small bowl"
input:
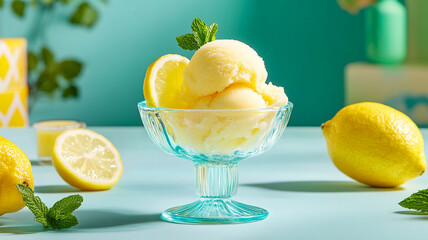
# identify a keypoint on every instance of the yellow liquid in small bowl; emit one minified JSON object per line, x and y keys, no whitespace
{"x":48,"y":131}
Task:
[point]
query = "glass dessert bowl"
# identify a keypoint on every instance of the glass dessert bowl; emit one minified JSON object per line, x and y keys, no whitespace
{"x":215,"y":140}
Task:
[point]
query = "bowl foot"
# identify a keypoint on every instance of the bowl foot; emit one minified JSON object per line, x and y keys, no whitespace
{"x":214,"y":211}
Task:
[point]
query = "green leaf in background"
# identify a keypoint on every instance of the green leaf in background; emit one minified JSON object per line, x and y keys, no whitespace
{"x":18,"y":7}
{"x":47,"y":2}
{"x":48,"y":57}
{"x":417,"y":201}
{"x":84,"y":15}
{"x":48,"y":82}
{"x":34,"y":3}
{"x":200,"y":31}
{"x":212,"y":30}
{"x":70,"y":69}
{"x":32,"y":61}
{"x":70,"y":92}
{"x":187,"y":42}
{"x":1,"y":3}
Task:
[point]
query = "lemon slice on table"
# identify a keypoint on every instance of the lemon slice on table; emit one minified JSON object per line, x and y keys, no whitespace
{"x":86,"y":160}
{"x":164,"y":80}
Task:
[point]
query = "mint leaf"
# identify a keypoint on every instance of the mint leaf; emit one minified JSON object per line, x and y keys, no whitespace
{"x":212,"y":30}
{"x":58,"y":216}
{"x":35,"y":204}
{"x":66,"y":205}
{"x":63,"y":221}
{"x":200,"y":31}
{"x":417,"y":201}
{"x":187,"y":42}
{"x":200,"y":35}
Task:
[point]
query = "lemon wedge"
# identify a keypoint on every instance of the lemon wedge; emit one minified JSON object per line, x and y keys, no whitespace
{"x":86,"y":160}
{"x":163,"y":84}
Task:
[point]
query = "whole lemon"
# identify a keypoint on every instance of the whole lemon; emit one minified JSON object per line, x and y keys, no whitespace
{"x":375,"y":144}
{"x":14,"y":168}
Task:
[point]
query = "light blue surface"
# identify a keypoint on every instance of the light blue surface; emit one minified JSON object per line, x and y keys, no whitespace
{"x":305,"y":44}
{"x":306,"y":196}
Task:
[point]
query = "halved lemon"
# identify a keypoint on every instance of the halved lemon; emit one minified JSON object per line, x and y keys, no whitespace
{"x":164,"y":80}
{"x":86,"y":160}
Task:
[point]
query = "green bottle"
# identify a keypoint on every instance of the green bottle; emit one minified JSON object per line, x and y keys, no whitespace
{"x":386,"y":32}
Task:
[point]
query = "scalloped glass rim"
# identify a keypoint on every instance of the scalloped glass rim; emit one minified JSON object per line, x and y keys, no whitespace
{"x":143,"y":106}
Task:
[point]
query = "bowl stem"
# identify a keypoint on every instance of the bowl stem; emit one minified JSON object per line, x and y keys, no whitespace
{"x":216,"y":183}
{"x":216,"y":180}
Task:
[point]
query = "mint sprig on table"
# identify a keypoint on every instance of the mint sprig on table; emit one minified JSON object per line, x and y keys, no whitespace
{"x":58,"y":216}
{"x":201,"y":34}
{"x":417,"y":201}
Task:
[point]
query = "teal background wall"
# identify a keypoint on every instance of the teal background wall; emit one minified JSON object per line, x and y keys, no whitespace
{"x":305,"y":45}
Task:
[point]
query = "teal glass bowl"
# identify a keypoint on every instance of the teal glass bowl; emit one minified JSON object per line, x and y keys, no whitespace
{"x":215,"y":141}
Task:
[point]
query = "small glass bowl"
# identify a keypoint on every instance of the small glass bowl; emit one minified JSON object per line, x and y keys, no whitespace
{"x":215,"y":141}
{"x":47,"y":131}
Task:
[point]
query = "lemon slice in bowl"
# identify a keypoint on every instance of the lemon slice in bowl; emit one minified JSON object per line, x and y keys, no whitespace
{"x":86,"y":160}
{"x":163,"y":83}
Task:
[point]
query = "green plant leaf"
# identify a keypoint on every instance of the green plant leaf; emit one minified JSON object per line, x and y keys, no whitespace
{"x":70,"y":92}
{"x":200,"y":31}
{"x":417,"y":201}
{"x":57,"y":217}
{"x":48,"y":2}
{"x":1,"y":3}
{"x":62,"y":221}
{"x":188,"y":42}
{"x":48,"y":82}
{"x":32,"y":61}
{"x":212,"y":30}
{"x":66,"y":1}
{"x":34,"y":203}
{"x":48,"y":57}
{"x":34,"y":3}
{"x":66,"y":205}
{"x":201,"y":34}
{"x":70,"y":69}
{"x":18,"y":7}
{"x":84,"y":15}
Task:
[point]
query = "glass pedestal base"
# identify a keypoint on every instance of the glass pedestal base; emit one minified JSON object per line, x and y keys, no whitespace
{"x":214,"y":211}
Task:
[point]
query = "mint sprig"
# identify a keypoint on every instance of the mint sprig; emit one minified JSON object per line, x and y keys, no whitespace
{"x":417,"y":201}
{"x":58,"y":216}
{"x":201,"y":34}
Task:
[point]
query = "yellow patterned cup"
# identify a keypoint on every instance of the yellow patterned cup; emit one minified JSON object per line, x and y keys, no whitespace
{"x":14,"y":108}
{"x":13,"y":64}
